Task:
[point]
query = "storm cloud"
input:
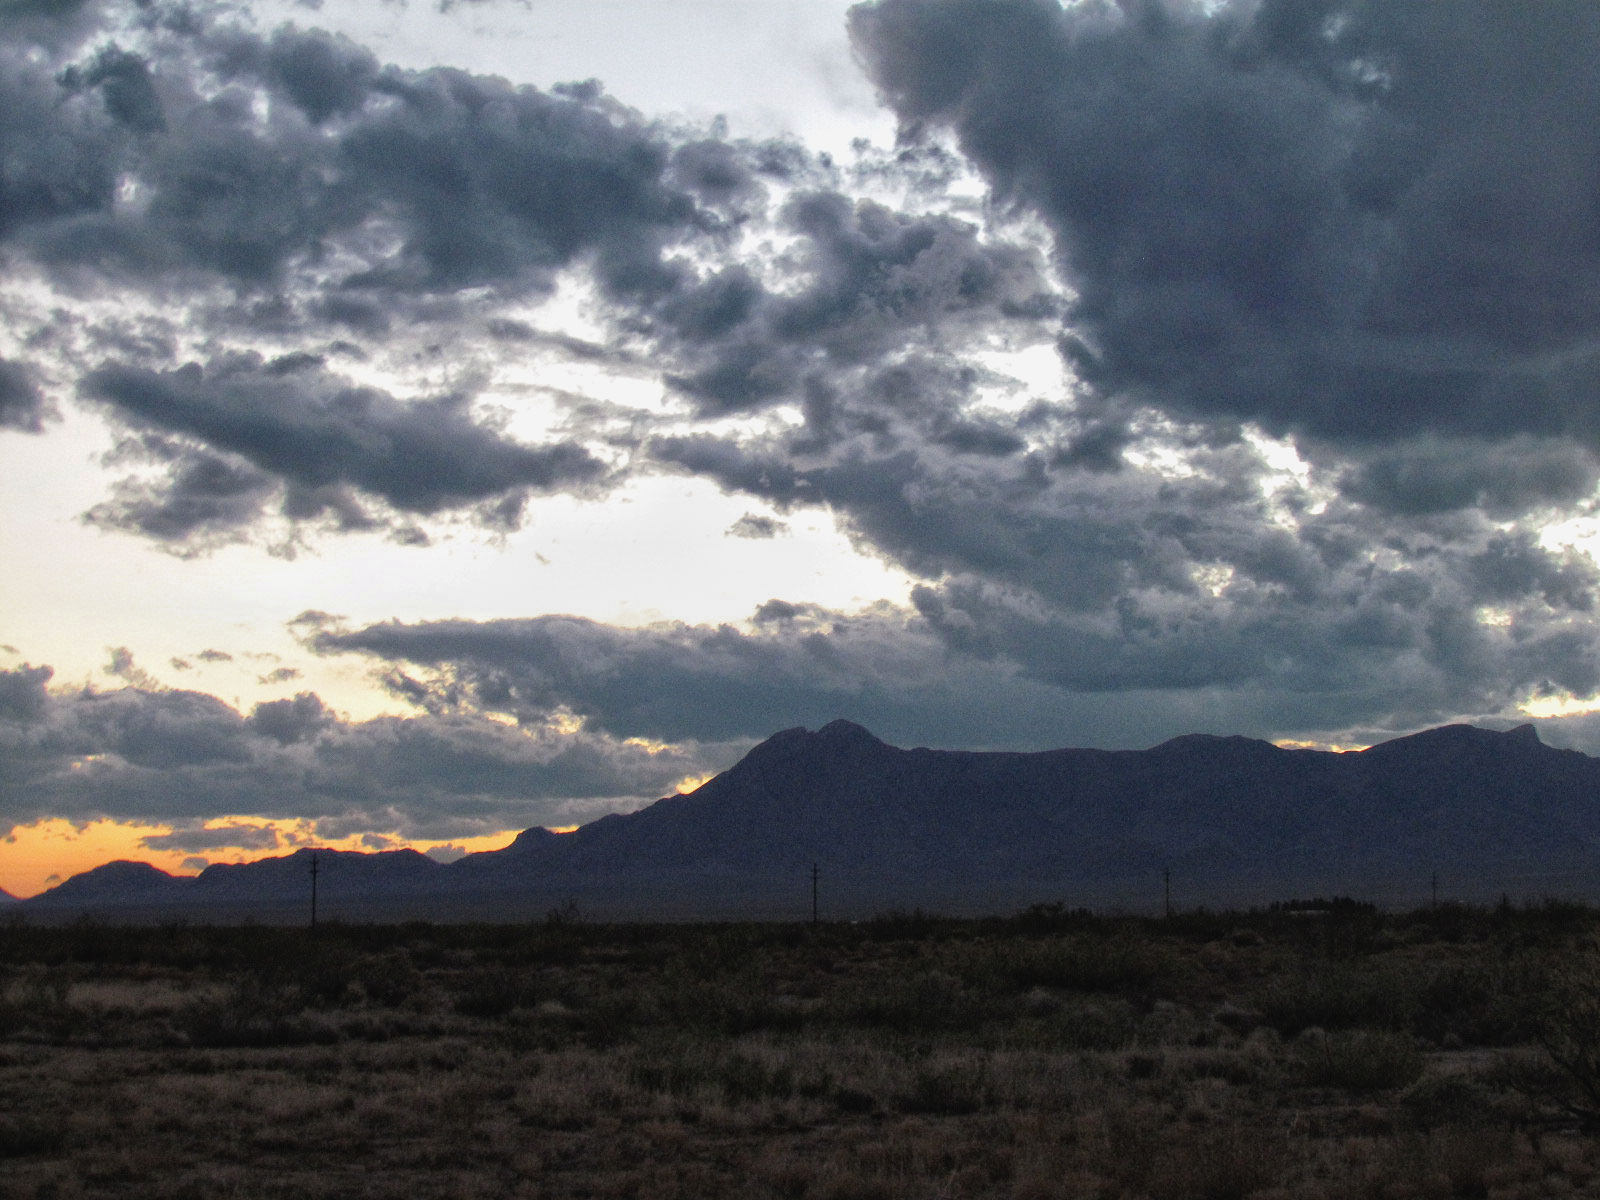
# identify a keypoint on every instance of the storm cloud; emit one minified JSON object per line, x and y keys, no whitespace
{"x":1349,"y":220}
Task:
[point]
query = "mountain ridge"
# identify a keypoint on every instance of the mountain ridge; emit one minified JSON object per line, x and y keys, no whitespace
{"x":1237,"y":819}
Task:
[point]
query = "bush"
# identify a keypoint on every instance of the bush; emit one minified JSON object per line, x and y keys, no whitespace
{"x":1567,"y":1020}
{"x":21,"y":1136}
{"x":1362,"y":1060}
{"x":1342,"y":998}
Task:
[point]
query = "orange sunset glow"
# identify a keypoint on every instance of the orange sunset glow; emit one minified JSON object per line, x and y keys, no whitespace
{"x":39,"y":856}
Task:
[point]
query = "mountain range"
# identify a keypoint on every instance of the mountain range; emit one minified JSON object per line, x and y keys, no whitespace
{"x":1221,"y":820}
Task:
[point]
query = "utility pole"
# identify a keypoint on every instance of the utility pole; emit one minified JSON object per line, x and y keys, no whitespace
{"x":1436,"y":889}
{"x":1166,"y":890}
{"x":814,"y":874}
{"x":313,"y":889}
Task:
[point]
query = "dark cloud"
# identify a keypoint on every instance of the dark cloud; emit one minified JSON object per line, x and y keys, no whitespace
{"x":22,"y":693}
{"x":153,"y":165}
{"x":318,"y":437}
{"x":61,"y":152}
{"x":184,"y":758}
{"x":1504,"y":479}
{"x":1215,"y":579}
{"x":203,"y":499}
{"x":326,"y":76}
{"x":804,"y":665}
{"x":222,"y":837}
{"x":875,"y":282}
{"x":22,"y":404}
{"x":288,"y":721}
{"x":981,"y":665}
{"x":125,"y":85}
{"x":1355,"y":220}
{"x":1367,"y":227}
{"x":39,"y":13}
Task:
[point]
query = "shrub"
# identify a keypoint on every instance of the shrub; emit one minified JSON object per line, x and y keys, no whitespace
{"x":1342,"y":997}
{"x":1567,"y":1020}
{"x":1361,"y":1059}
{"x":948,"y":1090}
{"x":493,"y":992}
{"x":21,"y":1136}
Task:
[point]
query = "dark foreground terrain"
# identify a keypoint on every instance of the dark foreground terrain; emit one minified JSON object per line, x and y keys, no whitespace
{"x":1324,"y":1052}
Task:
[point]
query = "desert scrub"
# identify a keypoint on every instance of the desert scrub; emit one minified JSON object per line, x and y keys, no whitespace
{"x":1061,"y":1055}
{"x":1359,"y":1059}
{"x":1081,"y":963}
{"x":1566,"y":1017}
{"x":1342,"y":996}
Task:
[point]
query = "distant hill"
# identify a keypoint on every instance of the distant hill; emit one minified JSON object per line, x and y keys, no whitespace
{"x":1234,"y":821}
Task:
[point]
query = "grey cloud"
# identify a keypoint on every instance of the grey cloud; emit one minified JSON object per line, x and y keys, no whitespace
{"x":1138,"y":581}
{"x":289,"y":721}
{"x":933,"y":514}
{"x":427,"y":182}
{"x":22,"y":693}
{"x":22,"y":404}
{"x":182,"y":758}
{"x":492,"y":182}
{"x":1043,"y":679}
{"x":326,"y":76}
{"x":39,"y":13}
{"x":1504,"y":479}
{"x":61,"y":153}
{"x":715,"y":171}
{"x":125,"y":85}
{"x":122,"y":666}
{"x":875,"y":282}
{"x":204,"y":499}
{"x":318,"y":434}
{"x":1514,"y":566}
{"x":1355,"y":220}
{"x":805,"y":665}
{"x":241,"y":837}
{"x":752,"y":525}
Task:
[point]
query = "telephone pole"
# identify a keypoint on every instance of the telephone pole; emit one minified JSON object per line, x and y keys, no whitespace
{"x":814,"y":874}
{"x":1435,"y":889}
{"x":1166,"y":890}
{"x":313,"y":889}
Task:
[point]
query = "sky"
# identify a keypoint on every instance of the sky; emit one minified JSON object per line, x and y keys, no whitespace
{"x":421,"y":420}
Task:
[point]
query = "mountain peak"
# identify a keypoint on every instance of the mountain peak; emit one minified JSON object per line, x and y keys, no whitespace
{"x":119,"y":880}
{"x":842,"y":730}
{"x":1210,"y":741}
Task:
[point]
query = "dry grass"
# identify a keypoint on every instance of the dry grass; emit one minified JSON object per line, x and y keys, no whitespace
{"x":1203,"y":1058}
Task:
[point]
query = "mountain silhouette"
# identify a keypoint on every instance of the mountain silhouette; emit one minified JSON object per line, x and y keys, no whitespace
{"x":1234,"y":820}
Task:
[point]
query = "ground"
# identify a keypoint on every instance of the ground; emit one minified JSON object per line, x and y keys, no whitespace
{"x":1328,"y":1052}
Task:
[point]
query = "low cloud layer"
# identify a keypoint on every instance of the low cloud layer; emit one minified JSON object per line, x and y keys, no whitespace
{"x":181,"y":757}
